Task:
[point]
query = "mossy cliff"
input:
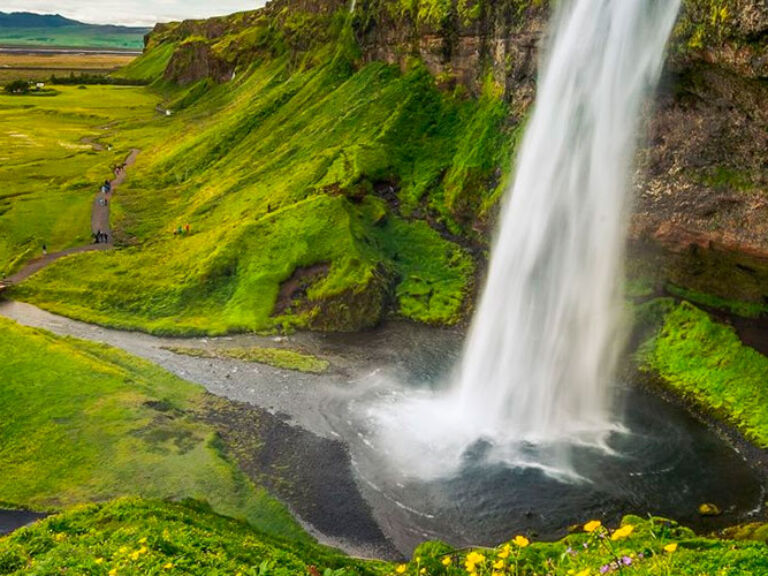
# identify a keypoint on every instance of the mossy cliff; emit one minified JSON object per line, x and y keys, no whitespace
{"x":339,"y":162}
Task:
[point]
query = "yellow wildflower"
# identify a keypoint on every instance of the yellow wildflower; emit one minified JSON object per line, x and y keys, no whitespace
{"x":670,"y":548}
{"x":401,"y":569}
{"x":622,"y":532}
{"x":143,"y":540}
{"x":113,"y":572}
{"x":583,"y":572}
{"x":168,"y":566}
{"x":494,"y":573}
{"x":447,"y":561}
{"x":59,"y":537}
{"x":123,"y":549}
{"x":521,"y":541}
{"x":423,"y":571}
{"x":475,"y":557}
{"x":592,"y":526}
{"x":504,"y":551}
{"x":498,"y":565}
{"x":135,"y":555}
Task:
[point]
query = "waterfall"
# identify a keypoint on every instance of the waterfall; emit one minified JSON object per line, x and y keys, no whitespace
{"x":539,"y":364}
{"x":543,"y":346}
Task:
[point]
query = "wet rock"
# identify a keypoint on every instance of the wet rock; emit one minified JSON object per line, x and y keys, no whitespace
{"x":709,"y":509}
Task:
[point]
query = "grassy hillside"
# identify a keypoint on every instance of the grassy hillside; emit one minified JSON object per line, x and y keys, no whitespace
{"x":132,"y":537}
{"x":308,"y":188}
{"x":81,"y":422}
{"x":705,"y":362}
{"x":49,"y":173}
{"x":151,"y":537}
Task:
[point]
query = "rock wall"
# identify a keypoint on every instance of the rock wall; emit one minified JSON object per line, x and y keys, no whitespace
{"x":705,"y":171}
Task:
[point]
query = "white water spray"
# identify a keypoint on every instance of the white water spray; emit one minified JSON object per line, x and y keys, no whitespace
{"x":541,"y":356}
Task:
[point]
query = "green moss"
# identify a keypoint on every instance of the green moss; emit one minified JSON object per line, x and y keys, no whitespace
{"x":744,"y":309}
{"x":135,"y":537}
{"x":80,"y":422}
{"x":277,"y":357}
{"x":706,"y":363}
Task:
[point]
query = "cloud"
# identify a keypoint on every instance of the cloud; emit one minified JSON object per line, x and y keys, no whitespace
{"x":131,"y":12}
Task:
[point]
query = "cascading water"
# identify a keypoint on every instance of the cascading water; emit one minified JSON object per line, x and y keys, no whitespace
{"x":539,"y":363}
{"x":543,"y":347}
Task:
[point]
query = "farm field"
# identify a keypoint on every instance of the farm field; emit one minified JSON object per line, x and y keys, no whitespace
{"x":41,"y":66}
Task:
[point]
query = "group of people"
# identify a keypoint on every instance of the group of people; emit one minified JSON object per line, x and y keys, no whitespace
{"x":182,"y":231}
{"x":100,"y":237}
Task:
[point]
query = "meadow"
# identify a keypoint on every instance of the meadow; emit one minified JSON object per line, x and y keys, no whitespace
{"x":49,"y":167}
{"x":82,"y":422}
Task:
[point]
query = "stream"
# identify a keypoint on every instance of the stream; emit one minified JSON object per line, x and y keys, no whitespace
{"x":664,"y":462}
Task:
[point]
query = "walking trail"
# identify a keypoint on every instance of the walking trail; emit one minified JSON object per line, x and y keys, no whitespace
{"x":99,"y":223}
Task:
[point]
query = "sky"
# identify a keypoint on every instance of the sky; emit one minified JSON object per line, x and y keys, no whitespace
{"x":130,"y":12}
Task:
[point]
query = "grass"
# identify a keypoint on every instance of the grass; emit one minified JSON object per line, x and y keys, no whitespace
{"x":83,"y":36}
{"x":81,"y":422}
{"x":135,"y":537}
{"x":49,"y":175}
{"x":642,"y":547}
{"x":153,"y":537}
{"x":277,"y":357}
{"x":705,"y":362}
{"x":282,"y":169}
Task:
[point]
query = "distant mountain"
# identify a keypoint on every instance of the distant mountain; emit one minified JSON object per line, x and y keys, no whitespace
{"x":54,"y":30}
{"x":31,"y":20}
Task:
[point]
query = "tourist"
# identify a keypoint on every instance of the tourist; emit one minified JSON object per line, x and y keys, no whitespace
{"x":45,"y":250}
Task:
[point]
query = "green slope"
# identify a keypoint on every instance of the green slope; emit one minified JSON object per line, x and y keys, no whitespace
{"x":133,"y":537}
{"x":331,"y":163}
{"x":151,"y":537}
{"x":81,"y":422}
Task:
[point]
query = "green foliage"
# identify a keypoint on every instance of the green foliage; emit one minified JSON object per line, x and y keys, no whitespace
{"x":277,"y":357}
{"x":705,"y":362}
{"x":705,"y":23}
{"x":17,"y":87}
{"x":81,"y":422}
{"x":281,"y":170}
{"x":135,"y":537}
{"x":642,"y":547}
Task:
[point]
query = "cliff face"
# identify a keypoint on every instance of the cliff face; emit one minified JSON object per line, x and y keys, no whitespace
{"x":703,"y":194}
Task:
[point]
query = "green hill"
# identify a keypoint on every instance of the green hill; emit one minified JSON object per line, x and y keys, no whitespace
{"x":48,"y":30}
{"x":321,"y":191}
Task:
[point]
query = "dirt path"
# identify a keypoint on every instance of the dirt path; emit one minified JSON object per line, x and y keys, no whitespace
{"x":99,"y":222}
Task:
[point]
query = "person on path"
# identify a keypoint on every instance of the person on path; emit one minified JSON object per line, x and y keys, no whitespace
{"x":186,"y":230}
{"x":45,"y":250}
